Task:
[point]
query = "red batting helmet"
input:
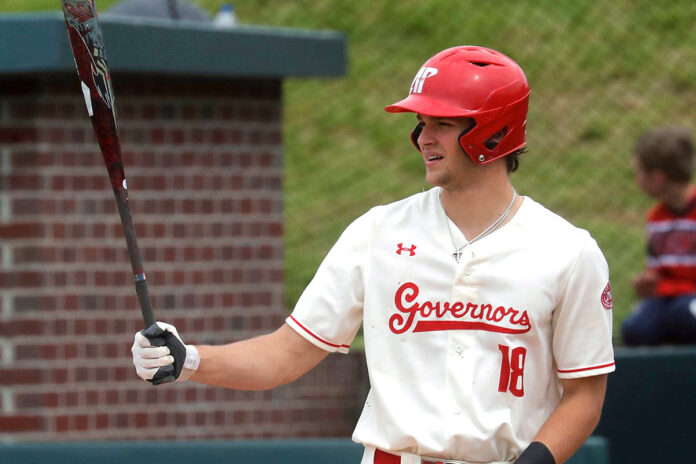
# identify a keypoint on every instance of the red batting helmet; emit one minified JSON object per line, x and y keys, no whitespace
{"x":478,"y":83}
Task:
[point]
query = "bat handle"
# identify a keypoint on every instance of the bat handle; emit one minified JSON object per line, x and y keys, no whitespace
{"x":144,"y":300}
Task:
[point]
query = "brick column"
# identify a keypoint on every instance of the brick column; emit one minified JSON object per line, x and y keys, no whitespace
{"x":203,"y":160}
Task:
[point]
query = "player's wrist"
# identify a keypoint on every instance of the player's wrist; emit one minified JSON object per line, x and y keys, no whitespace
{"x":536,"y":453}
{"x":191,"y":363}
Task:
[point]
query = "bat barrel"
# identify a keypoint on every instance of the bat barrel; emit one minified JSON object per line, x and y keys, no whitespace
{"x":87,"y":46}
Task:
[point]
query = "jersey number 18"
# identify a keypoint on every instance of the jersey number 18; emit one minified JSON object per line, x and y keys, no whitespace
{"x":512,"y":370}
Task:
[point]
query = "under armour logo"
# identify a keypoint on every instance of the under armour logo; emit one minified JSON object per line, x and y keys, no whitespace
{"x":418,"y":81}
{"x":411,"y":250}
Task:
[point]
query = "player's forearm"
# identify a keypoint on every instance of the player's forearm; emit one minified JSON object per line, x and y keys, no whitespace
{"x":238,"y":366}
{"x":574,"y":419}
{"x":259,"y":363}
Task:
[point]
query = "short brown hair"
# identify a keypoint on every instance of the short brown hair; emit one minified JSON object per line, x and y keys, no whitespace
{"x":512,"y":161}
{"x":669,"y":150}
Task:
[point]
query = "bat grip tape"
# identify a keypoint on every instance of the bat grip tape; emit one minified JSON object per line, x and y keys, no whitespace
{"x":144,"y":300}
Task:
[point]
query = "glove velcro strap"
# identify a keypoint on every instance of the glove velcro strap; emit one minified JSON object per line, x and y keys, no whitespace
{"x":193,"y":359}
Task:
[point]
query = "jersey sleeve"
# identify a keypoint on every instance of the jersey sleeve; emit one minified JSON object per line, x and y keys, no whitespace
{"x":582,"y":321}
{"x":329,"y":312}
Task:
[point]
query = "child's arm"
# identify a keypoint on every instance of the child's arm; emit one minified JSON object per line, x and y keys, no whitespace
{"x":645,"y":283}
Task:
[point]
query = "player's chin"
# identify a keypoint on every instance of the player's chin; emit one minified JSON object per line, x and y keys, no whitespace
{"x":436,"y":179}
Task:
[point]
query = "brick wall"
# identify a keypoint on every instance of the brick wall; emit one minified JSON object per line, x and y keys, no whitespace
{"x":203,"y":161}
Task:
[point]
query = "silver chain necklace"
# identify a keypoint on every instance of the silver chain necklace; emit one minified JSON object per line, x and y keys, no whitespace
{"x":457,"y":255}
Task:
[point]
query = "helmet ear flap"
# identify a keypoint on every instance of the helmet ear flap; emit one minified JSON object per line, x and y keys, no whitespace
{"x":462,"y":140}
{"x":415,"y":133}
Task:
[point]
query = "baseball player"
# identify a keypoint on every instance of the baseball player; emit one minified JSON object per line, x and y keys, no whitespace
{"x":486,"y":317}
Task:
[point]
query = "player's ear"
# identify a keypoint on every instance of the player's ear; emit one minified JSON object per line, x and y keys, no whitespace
{"x":495,"y":139}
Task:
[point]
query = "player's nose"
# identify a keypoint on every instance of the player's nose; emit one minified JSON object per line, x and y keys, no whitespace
{"x":426,"y":136}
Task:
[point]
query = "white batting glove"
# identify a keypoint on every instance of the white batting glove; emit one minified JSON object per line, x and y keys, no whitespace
{"x":160,"y":356}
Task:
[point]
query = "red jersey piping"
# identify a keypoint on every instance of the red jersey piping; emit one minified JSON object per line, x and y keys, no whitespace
{"x":568,"y":371}
{"x":316,"y":336}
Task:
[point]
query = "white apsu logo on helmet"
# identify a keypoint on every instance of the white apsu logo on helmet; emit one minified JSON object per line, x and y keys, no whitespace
{"x":418,"y":81}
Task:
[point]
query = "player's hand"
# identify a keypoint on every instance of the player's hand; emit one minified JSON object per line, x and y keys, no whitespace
{"x":160,"y":356}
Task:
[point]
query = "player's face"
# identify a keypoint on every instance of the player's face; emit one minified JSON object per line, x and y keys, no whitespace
{"x":446,"y":164}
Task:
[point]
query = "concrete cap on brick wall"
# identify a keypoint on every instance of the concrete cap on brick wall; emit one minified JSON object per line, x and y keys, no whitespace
{"x":171,"y":9}
{"x":38,"y":43}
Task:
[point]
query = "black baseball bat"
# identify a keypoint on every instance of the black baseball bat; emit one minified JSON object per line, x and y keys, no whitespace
{"x":87,"y":45}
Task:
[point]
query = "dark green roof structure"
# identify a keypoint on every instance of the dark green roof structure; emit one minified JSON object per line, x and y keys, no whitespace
{"x":38,"y":43}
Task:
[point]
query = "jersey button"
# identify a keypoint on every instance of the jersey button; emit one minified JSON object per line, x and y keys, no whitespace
{"x":467,"y":271}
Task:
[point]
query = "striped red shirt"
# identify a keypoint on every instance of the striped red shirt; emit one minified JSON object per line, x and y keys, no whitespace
{"x":672,"y":248}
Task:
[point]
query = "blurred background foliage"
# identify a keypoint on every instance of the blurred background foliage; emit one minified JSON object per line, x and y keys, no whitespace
{"x":601,"y":73}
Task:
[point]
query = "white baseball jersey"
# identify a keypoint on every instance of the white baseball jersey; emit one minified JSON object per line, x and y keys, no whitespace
{"x":464,"y":359}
